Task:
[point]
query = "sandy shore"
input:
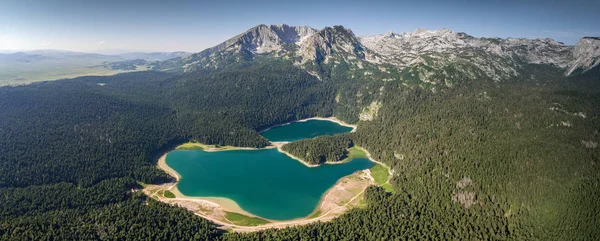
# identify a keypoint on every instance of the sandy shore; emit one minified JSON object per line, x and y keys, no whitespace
{"x":162,"y":164}
{"x":342,"y":196}
{"x":332,"y":119}
{"x":225,"y":203}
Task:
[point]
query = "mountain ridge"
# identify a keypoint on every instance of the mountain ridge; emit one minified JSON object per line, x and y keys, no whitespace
{"x":432,"y":56}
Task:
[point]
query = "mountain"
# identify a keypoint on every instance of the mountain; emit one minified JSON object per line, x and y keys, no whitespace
{"x":586,"y":55}
{"x":436,"y":57}
{"x":404,"y":49}
{"x":301,"y":45}
{"x":444,"y":50}
{"x":332,"y":42}
{"x":261,"y":40}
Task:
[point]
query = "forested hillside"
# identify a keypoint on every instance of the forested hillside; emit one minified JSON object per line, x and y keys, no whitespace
{"x":497,"y":161}
{"x":320,"y":149}
{"x":73,"y":147}
{"x":487,"y":160}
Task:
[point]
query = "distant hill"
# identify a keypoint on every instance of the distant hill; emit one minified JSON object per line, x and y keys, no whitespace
{"x":40,"y":65}
{"x":155,"y":56}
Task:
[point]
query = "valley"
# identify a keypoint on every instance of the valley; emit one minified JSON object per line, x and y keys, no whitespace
{"x":474,"y":137}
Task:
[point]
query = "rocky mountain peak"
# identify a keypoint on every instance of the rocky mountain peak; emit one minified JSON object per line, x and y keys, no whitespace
{"x":426,"y":33}
{"x":391,"y":34}
{"x":586,"y":55}
{"x":432,"y":56}
{"x":329,"y":41}
{"x":261,"y":39}
{"x":292,"y":34}
{"x":266,"y":39}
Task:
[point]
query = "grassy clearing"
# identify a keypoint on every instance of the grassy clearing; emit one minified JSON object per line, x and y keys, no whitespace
{"x":362,"y":202}
{"x":388,"y":187}
{"x":356,"y":152}
{"x":190,"y":146}
{"x":168,"y":194}
{"x":315,"y":214}
{"x":380,"y":174}
{"x":200,"y":146}
{"x":243,"y":220}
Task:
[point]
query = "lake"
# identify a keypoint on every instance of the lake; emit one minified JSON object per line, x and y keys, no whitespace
{"x":303,"y":130}
{"x":263,"y":182}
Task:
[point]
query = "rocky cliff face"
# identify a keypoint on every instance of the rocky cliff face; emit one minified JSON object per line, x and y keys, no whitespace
{"x":586,"y":55}
{"x":262,"y":39}
{"x":274,"y":38}
{"x":402,"y":49}
{"x":330,"y":42}
{"x":265,"y":39}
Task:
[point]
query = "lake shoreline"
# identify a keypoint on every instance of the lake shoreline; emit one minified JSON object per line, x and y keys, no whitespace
{"x":327,"y":209}
{"x":323,"y":209}
{"x":332,"y":119}
{"x":225,"y":203}
{"x":279,"y":146}
{"x":229,"y":205}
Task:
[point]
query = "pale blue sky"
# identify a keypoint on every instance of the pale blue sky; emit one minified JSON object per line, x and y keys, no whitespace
{"x":151,"y":25}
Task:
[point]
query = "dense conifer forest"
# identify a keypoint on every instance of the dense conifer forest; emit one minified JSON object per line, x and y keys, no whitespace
{"x":320,"y":149}
{"x":513,"y":160}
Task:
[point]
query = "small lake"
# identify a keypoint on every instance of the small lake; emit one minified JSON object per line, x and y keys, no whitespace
{"x":264,"y":182}
{"x":303,"y":130}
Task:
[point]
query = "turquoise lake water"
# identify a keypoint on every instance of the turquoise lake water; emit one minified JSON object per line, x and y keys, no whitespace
{"x":263,"y":182}
{"x":303,"y":130}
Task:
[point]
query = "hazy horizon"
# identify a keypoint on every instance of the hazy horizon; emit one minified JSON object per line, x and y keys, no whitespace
{"x":111,"y":27}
